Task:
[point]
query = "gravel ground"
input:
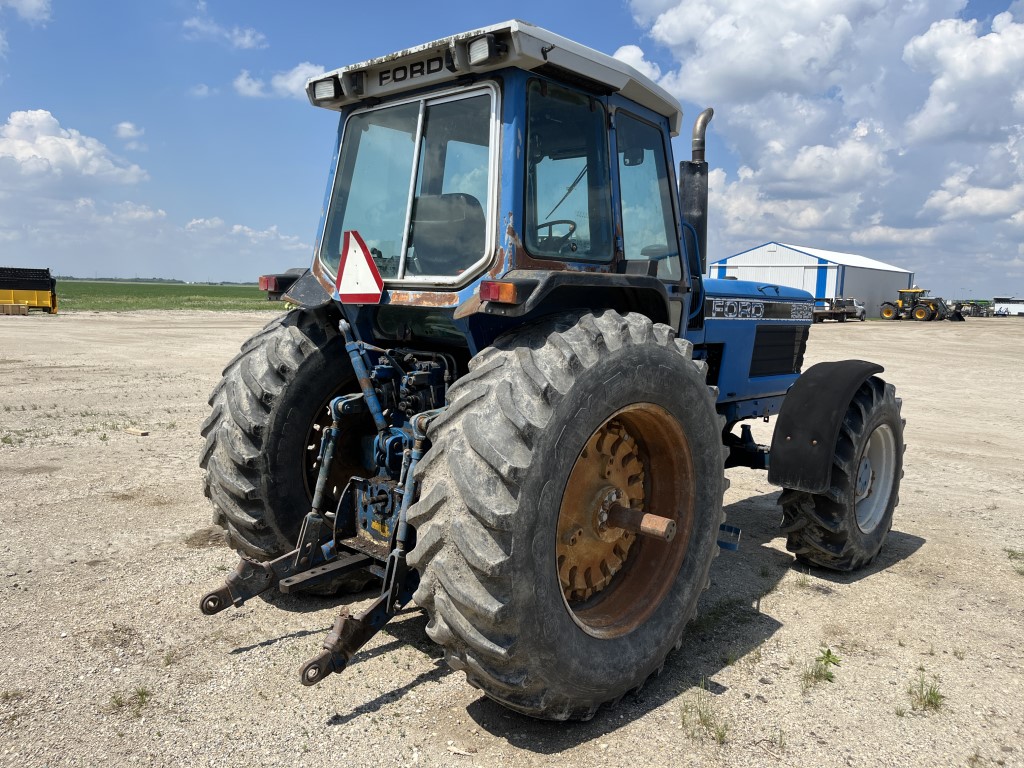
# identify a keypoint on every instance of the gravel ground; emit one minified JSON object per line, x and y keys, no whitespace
{"x":107,"y":546}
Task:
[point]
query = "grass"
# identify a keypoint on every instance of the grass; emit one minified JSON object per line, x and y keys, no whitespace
{"x":133,"y":703}
{"x":1017,"y":558}
{"x":702,"y":710}
{"x":924,"y":695}
{"x":108,"y":296}
{"x":821,"y":670}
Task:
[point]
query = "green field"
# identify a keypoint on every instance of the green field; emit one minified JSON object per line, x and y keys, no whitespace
{"x":110,"y":296}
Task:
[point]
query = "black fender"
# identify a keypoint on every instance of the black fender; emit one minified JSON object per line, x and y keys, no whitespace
{"x":804,"y":441}
{"x":307,"y":292}
{"x":547,"y":291}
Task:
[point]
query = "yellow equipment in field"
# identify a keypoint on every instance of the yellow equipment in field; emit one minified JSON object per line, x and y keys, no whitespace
{"x":916,"y":304}
{"x":29,"y":288}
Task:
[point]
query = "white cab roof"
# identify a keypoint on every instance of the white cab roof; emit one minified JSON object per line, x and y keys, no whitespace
{"x":528,"y":47}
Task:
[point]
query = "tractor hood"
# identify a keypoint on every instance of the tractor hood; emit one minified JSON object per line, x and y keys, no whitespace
{"x":747,"y":289}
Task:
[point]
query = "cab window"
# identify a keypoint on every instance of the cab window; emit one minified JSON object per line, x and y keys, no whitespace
{"x":648,"y":221}
{"x":568,"y":201}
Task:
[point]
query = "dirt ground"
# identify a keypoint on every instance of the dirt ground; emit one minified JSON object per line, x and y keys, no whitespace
{"x":106,"y":549}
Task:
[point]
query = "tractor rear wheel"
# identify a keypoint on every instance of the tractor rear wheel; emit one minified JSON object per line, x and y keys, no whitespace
{"x":533,"y":583}
{"x":889,"y":312}
{"x":263,"y":434}
{"x":845,"y":527}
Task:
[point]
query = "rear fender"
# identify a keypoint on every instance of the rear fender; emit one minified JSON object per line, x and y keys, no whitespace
{"x":307,"y":292}
{"x":804,"y":441}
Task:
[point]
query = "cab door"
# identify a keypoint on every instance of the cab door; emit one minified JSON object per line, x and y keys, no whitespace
{"x":648,"y":208}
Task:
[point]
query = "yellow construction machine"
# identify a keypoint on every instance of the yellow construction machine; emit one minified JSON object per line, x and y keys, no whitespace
{"x":916,"y":304}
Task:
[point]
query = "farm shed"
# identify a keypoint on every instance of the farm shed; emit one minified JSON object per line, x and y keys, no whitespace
{"x":825,"y":274}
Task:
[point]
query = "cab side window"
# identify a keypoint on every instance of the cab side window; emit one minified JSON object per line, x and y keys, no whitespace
{"x":568,"y":199}
{"x":648,"y":223}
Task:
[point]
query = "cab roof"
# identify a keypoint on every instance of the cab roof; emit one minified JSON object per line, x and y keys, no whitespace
{"x":508,"y":44}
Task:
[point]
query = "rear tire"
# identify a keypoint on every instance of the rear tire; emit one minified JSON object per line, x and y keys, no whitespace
{"x":888,"y":311}
{"x":844,"y":528}
{"x":549,"y":423}
{"x":262,"y":436}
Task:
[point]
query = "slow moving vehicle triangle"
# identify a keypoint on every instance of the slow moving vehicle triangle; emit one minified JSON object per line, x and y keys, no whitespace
{"x":359,"y":281}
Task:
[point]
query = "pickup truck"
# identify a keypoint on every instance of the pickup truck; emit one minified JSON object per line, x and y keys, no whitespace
{"x":840,"y":310}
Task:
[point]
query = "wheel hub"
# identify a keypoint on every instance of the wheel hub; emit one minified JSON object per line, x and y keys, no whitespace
{"x":864,"y":476}
{"x":589,"y":551}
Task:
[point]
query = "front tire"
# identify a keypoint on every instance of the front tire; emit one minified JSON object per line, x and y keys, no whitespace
{"x":548,"y":611}
{"x":844,"y":528}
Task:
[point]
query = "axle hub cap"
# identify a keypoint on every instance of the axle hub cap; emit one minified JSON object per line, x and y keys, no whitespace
{"x":589,"y":552}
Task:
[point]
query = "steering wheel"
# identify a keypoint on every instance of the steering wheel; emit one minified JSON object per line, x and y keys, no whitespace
{"x":553,"y":241}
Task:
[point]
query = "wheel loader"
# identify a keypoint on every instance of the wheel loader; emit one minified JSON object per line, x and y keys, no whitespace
{"x":508,"y":395}
{"x":917,"y":304}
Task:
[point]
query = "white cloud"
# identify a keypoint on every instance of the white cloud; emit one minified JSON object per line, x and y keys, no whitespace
{"x":246,"y":85}
{"x":201,"y":91}
{"x":62,"y":202}
{"x":291,"y":83}
{"x":203,"y":27}
{"x":738,"y":49}
{"x":978,"y":86}
{"x":196,"y":225}
{"x":33,"y":145}
{"x":958,"y":198}
{"x":128,"y":211}
{"x":130,"y":134}
{"x":128,"y":130}
{"x":634,"y":56}
{"x":30,"y":10}
{"x":866,"y":125}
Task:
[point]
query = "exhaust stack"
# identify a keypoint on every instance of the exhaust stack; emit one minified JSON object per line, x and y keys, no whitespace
{"x":693,"y":189}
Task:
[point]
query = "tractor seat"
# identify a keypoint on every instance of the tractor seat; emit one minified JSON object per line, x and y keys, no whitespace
{"x":448,"y":234}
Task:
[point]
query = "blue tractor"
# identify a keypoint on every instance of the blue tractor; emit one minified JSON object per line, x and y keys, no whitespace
{"x":508,"y":394}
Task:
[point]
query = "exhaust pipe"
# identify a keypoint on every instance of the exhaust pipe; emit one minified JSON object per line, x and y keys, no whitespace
{"x":693,"y":188}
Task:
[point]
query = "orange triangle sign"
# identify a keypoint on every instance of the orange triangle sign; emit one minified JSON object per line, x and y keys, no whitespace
{"x":358,"y":282}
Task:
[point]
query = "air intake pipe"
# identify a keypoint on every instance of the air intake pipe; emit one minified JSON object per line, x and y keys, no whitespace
{"x":693,"y":190}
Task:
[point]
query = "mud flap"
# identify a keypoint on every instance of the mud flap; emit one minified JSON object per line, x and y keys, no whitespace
{"x":804,"y":441}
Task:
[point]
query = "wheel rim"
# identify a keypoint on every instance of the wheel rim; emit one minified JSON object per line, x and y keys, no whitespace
{"x":876,"y":472}
{"x":612,"y":579}
{"x":344,"y":464}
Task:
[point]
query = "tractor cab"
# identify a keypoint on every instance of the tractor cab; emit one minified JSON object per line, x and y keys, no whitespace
{"x":493,"y":177}
{"x":489,"y":171}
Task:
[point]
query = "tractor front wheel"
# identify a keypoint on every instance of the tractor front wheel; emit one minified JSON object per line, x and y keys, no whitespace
{"x":569,"y":510}
{"x":845,"y":527}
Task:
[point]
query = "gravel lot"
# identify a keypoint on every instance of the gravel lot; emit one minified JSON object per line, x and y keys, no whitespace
{"x":107,"y":547}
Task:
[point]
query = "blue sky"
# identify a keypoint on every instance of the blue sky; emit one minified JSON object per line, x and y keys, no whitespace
{"x":171,"y":138}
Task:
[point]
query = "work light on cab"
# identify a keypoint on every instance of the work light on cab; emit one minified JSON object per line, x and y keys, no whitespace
{"x":485,"y":49}
{"x":326,"y":89}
